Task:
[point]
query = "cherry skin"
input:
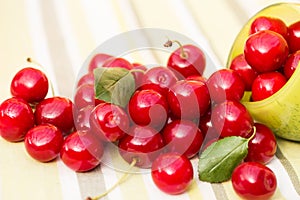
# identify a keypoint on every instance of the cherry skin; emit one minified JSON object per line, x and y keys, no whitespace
{"x":57,"y":111}
{"x":246,"y":72}
{"x":291,"y":64}
{"x":86,"y":79}
{"x":81,"y":151}
{"x":231,"y":118}
{"x":85,"y":96}
{"x":188,"y":99}
{"x":262,"y":147}
{"x":16,"y":118}
{"x":82,"y":118}
{"x":269,"y":23}
{"x":267,"y":84}
{"x":159,"y":79}
{"x":294,"y":37}
{"x":148,"y":108}
{"x":29,"y":84}
{"x":266,"y":51}
{"x":183,"y":136}
{"x":252,"y":180}
{"x":138,"y":72}
{"x":197,"y":78}
{"x":118,"y":62}
{"x":43,"y":142}
{"x":98,"y":60}
{"x":187,"y":60}
{"x":110,"y":122}
{"x":142,"y":143}
{"x":172,"y":173}
{"x":225,"y":84}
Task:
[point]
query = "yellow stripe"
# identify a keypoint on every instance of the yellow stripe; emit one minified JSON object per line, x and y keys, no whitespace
{"x":194,"y":192}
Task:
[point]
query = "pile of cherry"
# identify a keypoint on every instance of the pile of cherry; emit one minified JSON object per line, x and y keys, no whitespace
{"x":170,"y":114}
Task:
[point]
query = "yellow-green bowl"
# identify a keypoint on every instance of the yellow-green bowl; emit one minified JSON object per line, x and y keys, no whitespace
{"x":281,"y":111}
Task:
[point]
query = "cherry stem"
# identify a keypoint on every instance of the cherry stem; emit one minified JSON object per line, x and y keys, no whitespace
{"x":183,"y":54}
{"x":253,"y":134}
{"x":30,"y":60}
{"x":120,"y":181}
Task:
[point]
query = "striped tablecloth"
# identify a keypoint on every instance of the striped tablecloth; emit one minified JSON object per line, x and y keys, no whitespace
{"x":61,"y":34}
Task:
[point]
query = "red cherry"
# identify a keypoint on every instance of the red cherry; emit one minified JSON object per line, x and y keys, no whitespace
{"x":207,"y":129}
{"x":266,"y":51}
{"x":86,"y":79}
{"x":138,"y":71}
{"x":269,"y":23}
{"x":85,"y":96}
{"x":172,"y":173}
{"x":57,"y":111}
{"x":225,"y":84}
{"x":44,"y":142}
{"x":148,"y":108}
{"x":118,"y":62}
{"x":142,"y":143}
{"x":187,"y":60}
{"x":188,"y":99}
{"x":246,"y":72}
{"x":159,"y":79}
{"x":82,"y":118}
{"x":183,"y":136}
{"x":98,"y":60}
{"x":81,"y":151}
{"x":253,"y":180}
{"x":196,"y":78}
{"x":231,"y":118}
{"x":29,"y":84}
{"x":291,"y":64}
{"x":267,"y":84}
{"x":16,"y":118}
{"x":108,"y":121}
{"x":262,"y":147}
{"x":294,"y":37}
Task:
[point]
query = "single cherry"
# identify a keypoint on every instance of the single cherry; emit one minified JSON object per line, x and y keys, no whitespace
{"x":266,"y":51}
{"x":262,"y":147}
{"x":291,"y":64}
{"x":98,"y":60}
{"x":183,"y":136}
{"x":57,"y":111}
{"x":231,"y":118}
{"x":188,"y":99}
{"x":294,"y":37}
{"x":225,"y":84}
{"x":110,"y":122}
{"x":16,"y":118}
{"x":30,"y":84}
{"x":187,"y":60}
{"x":267,"y":84}
{"x":252,"y":180}
{"x":143,"y":143}
{"x":172,"y":173}
{"x":86,"y":79}
{"x":118,"y":62}
{"x":43,"y":142}
{"x":246,"y":72}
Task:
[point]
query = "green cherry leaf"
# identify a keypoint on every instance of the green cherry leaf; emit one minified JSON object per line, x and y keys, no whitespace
{"x":218,"y":161}
{"x":115,"y":85}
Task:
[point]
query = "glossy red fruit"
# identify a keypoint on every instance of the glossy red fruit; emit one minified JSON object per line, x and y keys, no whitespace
{"x":183,"y":136}
{"x":16,"y":118}
{"x":225,"y":84}
{"x":294,"y":37}
{"x":172,"y":173}
{"x":231,"y":118}
{"x":159,"y":79}
{"x":98,"y":60}
{"x":81,"y":151}
{"x":262,"y":147}
{"x":266,"y":51}
{"x":138,"y":72}
{"x":207,"y":128}
{"x":197,"y":78}
{"x":188,"y":99}
{"x":143,"y":144}
{"x":43,"y":142}
{"x":291,"y":64}
{"x":269,"y":23}
{"x":108,"y":121}
{"x":29,"y":84}
{"x":82,"y":118}
{"x":57,"y":111}
{"x":118,"y":62}
{"x":148,"y":108}
{"x":86,"y":79}
{"x":252,"y":180}
{"x":85,"y":96}
{"x":192,"y":62}
{"x":267,"y":84}
{"x":246,"y":72}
